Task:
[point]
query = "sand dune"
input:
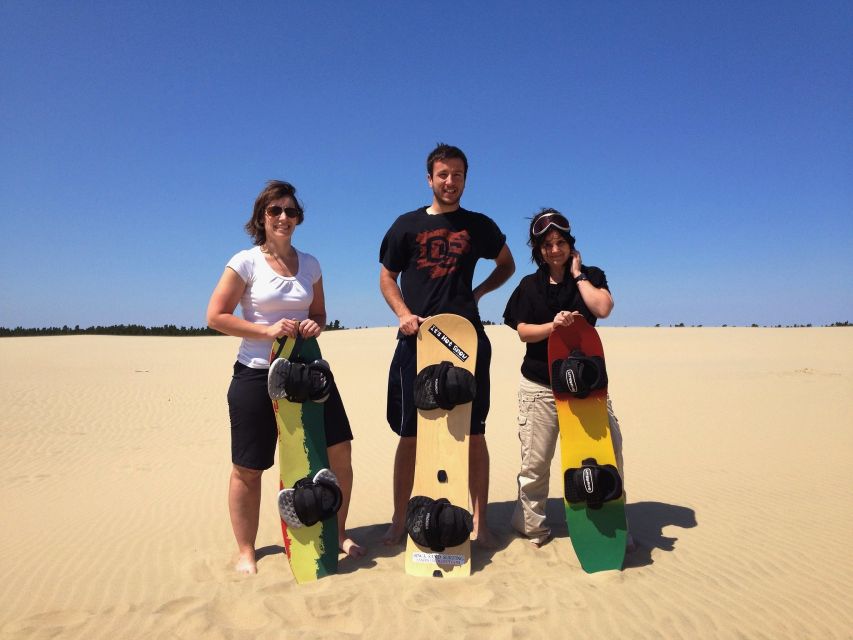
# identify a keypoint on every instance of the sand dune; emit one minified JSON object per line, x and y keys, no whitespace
{"x":738,"y":461}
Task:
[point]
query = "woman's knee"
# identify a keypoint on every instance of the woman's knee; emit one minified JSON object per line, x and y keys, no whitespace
{"x":246,"y":475}
{"x":340,"y":455}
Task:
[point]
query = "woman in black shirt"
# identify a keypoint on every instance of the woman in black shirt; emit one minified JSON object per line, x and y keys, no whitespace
{"x":561,"y":289}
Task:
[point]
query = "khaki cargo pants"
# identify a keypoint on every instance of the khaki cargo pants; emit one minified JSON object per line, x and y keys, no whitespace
{"x":538,"y":432}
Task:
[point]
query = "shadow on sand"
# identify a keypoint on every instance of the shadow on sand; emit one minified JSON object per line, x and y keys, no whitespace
{"x":269,"y":550}
{"x":646,"y":521}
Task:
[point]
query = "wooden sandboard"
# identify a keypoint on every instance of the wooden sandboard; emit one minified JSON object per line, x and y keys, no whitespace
{"x":598,"y":535}
{"x":312,"y":551}
{"x":442,"y":446}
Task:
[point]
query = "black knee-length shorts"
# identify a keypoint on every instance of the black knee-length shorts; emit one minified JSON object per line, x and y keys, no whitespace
{"x":401,"y":412}
{"x":253,"y":430}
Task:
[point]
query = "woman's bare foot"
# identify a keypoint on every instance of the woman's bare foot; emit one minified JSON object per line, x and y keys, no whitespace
{"x":351,"y":548}
{"x":394,"y":535}
{"x":246,"y":564}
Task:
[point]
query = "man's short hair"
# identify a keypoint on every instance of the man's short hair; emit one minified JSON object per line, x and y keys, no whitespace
{"x":445,"y":152}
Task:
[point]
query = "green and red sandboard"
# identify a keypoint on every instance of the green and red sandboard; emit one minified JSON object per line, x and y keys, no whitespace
{"x":441,"y":464}
{"x":598,"y":535}
{"x":312,"y":551}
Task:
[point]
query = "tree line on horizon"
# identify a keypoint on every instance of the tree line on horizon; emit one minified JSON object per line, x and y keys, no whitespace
{"x":124,"y":330}
{"x":174,"y":330}
{"x":768,"y":326}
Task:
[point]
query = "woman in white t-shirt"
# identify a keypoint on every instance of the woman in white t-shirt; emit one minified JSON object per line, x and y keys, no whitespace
{"x":280,"y":292}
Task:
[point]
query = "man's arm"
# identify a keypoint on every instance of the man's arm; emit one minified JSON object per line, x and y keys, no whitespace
{"x":394,"y":297}
{"x":504,"y":268}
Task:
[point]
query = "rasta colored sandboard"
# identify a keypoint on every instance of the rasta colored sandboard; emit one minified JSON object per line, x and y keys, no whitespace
{"x":441,"y":463}
{"x":312,"y":551}
{"x":598,"y":535}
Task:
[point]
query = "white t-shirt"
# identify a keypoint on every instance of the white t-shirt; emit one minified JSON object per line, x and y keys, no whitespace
{"x":269,"y":297}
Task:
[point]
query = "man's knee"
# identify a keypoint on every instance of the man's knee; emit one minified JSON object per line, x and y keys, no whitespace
{"x":477,"y":444}
{"x":407,"y":444}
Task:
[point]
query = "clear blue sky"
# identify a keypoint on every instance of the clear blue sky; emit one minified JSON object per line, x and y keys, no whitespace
{"x":702,"y":150}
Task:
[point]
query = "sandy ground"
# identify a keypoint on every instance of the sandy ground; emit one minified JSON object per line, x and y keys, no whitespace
{"x":739,"y":469}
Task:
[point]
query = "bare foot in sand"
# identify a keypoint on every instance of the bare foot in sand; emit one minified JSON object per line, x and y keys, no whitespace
{"x":351,"y":548}
{"x":394,"y":535}
{"x":485,"y":539}
{"x":246,"y":564}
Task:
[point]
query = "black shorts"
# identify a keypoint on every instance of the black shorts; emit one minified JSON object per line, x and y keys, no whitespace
{"x":401,"y":412}
{"x":253,"y":430}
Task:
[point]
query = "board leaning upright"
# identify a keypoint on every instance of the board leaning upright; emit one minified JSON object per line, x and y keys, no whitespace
{"x":592,"y":484}
{"x":438,"y":519}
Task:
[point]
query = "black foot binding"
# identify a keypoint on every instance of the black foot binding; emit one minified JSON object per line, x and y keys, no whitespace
{"x":297,"y":382}
{"x":593,"y":484}
{"x":310,"y":500}
{"x":578,"y":374}
{"x":437,"y":524}
{"x":445,"y":386}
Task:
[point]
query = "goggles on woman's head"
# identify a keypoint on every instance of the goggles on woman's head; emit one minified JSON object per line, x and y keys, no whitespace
{"x":548,"y":220}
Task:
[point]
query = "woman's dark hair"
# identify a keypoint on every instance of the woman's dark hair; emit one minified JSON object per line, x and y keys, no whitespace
{"x":275,"y":190}
{"x":535,"y":241}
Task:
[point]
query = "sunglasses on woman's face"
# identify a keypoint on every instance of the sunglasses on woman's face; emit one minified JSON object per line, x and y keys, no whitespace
{"x":543,"y":223}
{"x":275,"y":211}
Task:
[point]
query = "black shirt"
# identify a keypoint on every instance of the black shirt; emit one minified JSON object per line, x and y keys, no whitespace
{"x":536,"y":301}
{"x":436,"y":256}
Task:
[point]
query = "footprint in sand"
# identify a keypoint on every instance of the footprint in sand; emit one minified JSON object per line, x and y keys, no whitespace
{"x":17,"y":481}
{"x":48,"y":624}
{"x":422,"y":597}
{"x":320,"y":604}
{"x":201,"y":571}
{"x":332,"y":611}
{"x":241,"y":614}
{"x":278,"y":589}
{"x":181,"y":606}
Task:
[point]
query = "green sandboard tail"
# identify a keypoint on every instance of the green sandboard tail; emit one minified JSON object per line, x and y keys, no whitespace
{"x":598,"y":535}
{"x":311,"y":551}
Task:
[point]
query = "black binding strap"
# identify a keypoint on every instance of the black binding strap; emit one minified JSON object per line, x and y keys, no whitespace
{"x":578,"y":374}
{"x":437,"y":524}
{"x":299,"y":382}
{"x":444,"y":386}
{"x":310,"y":500}
{"x":592,"y":483}
{"x":316,"y":500}
{"x":295,"y":381}
{"x":296,"y":347}
{"x":278,"y":351}
{"x":320,"y":380}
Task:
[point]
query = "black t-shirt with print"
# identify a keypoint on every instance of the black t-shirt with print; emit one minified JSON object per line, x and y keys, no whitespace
{"x":536,"y":301}
{"x":435,"y":256}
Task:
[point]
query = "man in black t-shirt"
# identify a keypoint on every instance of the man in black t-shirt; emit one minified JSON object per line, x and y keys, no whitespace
{"x":434,"y":250}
